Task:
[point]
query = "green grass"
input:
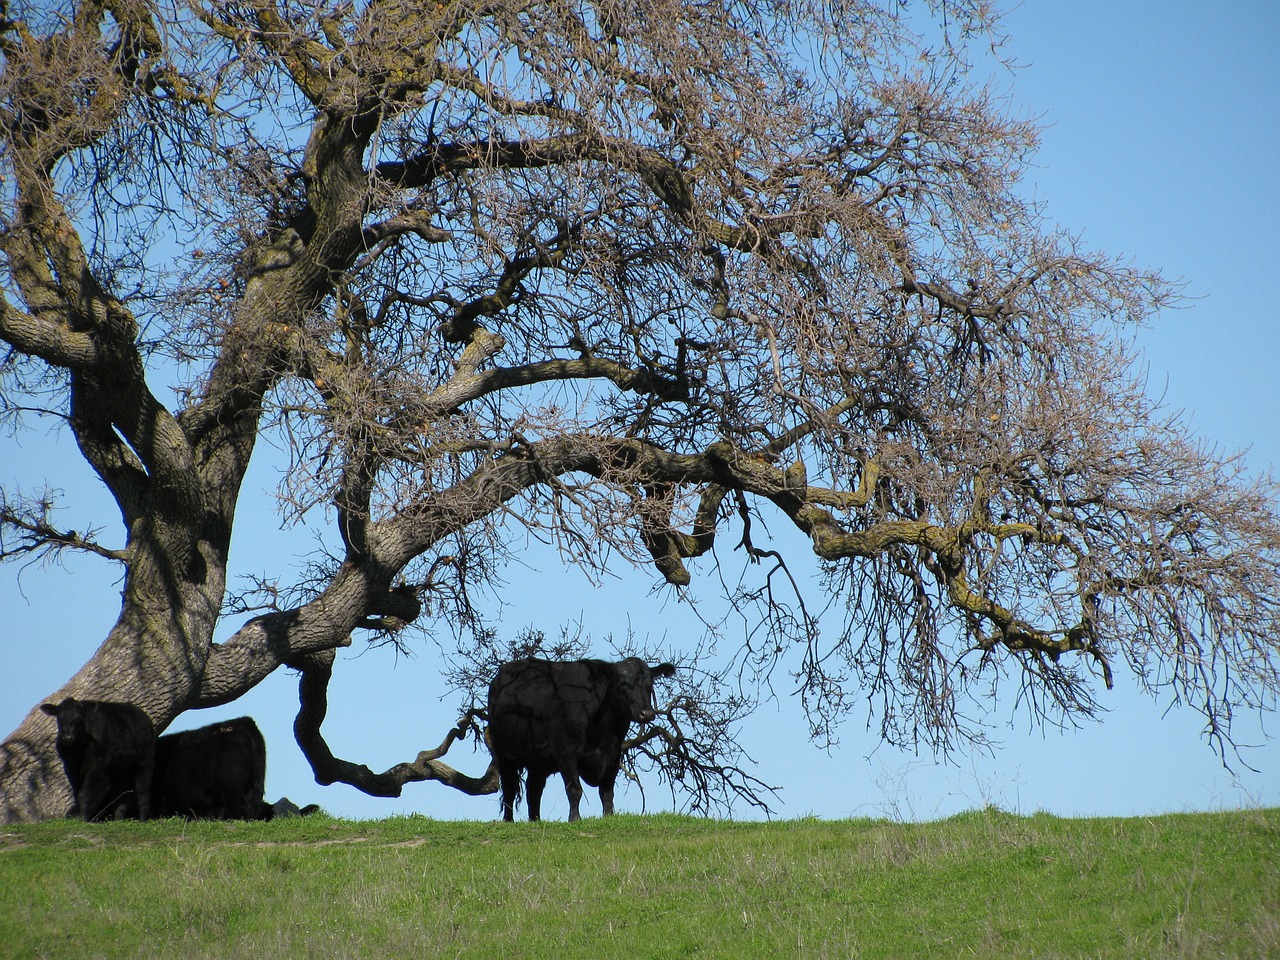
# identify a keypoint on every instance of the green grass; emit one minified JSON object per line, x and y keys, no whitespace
{"x":985,"y":884}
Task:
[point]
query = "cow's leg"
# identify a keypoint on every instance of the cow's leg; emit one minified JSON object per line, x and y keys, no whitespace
{"x":536,"y":784}
{"x":142,"y":789}
{"x":124,"y":794}
{"x":606,"y":790}
{"x":94,"y":796}
{"x":572,"y":787}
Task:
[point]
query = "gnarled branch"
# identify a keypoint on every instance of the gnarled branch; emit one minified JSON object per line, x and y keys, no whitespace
{"x":313,"y":697}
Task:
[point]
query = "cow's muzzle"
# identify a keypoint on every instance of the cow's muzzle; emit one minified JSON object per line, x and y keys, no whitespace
{"x":646,"y":715}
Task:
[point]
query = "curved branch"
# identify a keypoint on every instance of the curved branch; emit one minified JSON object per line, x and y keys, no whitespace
{"x":313,"y":697}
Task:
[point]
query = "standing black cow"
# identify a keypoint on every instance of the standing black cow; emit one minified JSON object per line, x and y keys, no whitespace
{"x":108,"y":751}
{"x":215,"y":772}
{"x":570,"y":717}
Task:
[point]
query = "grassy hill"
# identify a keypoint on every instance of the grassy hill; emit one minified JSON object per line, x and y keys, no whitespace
{"x":985,"y":884}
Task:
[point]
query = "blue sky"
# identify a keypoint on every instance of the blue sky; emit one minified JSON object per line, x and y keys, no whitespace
{"x":1160,"y":144}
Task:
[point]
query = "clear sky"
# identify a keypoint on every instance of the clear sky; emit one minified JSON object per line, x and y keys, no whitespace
{"x":1161,"y":143}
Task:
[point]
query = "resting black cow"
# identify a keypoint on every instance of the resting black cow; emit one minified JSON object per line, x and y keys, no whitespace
{"x":108,"y":751}
{"x":570,"y":717}
{"x":214,"y":772}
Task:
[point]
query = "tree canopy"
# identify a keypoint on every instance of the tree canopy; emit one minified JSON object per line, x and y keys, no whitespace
{"x":641,"y":280}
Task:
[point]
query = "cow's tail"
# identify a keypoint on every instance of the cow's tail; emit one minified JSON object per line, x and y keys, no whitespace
{"x":518,"y":794}
{"x":488,"y":742}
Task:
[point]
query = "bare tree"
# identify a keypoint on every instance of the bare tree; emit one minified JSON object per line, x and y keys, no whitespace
{"x":627,"y":277}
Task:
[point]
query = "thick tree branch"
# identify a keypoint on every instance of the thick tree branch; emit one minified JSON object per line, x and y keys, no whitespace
{"x":46,"y":338}
{"x":314,"y":704}
{"x":725,"y":467}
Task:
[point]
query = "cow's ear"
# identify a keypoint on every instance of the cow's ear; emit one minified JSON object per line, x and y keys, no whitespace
{"x":50,"y":708}
{"x":664,"y":670}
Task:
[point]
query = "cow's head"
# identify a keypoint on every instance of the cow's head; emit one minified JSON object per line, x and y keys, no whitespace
{"x":635,"y":683}
{"x":70,"y":717}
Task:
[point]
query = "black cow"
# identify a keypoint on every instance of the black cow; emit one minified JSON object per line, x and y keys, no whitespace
{"x":214,"y":772}
{"x":570,"y":717}
{"x":108,"y":751}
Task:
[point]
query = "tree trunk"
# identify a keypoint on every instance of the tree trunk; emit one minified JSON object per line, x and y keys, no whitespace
{"x":164,"y":661}
{"x":153,"y":657}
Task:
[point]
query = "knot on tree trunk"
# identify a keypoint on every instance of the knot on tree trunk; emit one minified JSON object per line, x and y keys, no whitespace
{"x":394,"y":610}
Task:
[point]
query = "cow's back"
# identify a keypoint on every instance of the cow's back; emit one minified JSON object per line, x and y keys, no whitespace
{"x":217,"y":771}
{"x":540,"y":710}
